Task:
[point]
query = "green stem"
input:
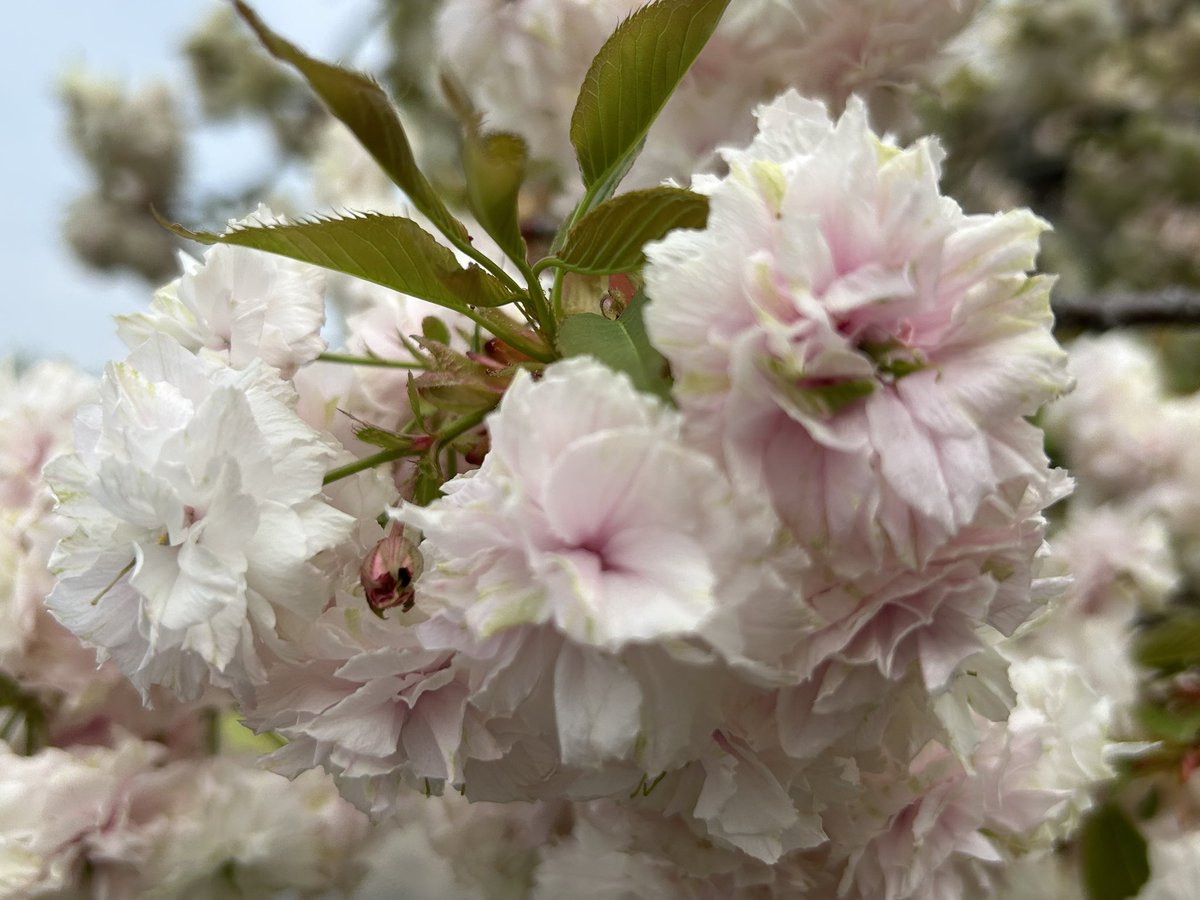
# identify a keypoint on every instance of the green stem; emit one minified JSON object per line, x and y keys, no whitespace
{"x":556,"y":295}
{"x":544,"y":263}
{"x":484,"y":260}
{"x":352,"y":360}
{"x":459,"y":428}
{"x":546,"y":320}
{"x":367,"y":462}
{"x":441,"y":439}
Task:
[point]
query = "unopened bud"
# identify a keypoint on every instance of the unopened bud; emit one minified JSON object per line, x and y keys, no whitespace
{"x":390,"y":571}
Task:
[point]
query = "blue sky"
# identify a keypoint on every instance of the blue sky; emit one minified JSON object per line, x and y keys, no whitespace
{"x":53,"y":306}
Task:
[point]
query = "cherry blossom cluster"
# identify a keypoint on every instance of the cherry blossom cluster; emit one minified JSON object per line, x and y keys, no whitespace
{"x":517,"y":624}
{"x":762,"y":638}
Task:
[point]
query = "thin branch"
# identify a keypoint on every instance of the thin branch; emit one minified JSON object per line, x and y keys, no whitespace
{"x":1120,"y":309}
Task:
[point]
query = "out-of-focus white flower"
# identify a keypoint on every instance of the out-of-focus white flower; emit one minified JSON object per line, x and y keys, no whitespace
{"x":36,"y":409}
{"x":241,"y":305}
{"x":184,"y":829}
{"x":54,"y":807}
{"x":524,"y":62}
{"x":1056,"y":704}
{"x":852,"y":342}
{"x":1174,"y":868}
{"x":210,"y":827}
{"x":195,"y":491}
{"x":1120,"y":558}
{"x":1116,"y":430}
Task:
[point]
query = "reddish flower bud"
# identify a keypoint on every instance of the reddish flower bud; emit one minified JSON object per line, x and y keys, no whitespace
{"x":390,"y":571}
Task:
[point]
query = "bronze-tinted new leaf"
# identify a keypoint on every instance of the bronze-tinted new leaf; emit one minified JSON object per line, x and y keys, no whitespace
{"x":363,"y":106}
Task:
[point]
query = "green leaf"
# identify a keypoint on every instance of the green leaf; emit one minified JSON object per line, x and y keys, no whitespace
{"x":363,"y":106}
{"x":1170,"y":645}
{"x":1160,"y":723}
{"x":621,"y":344}
{"x":388,"y":250}
{"x":494,"y":165}
{"x":612,"y":236}
{"x":495,"y":168}
{"x":435,"y":329}
{"x":427,"y":482}
{"x":630,"y":81}
{"x":1113,"y":855}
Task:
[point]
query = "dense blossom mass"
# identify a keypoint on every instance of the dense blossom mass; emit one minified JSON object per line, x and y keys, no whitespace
{"x":718,"y":571}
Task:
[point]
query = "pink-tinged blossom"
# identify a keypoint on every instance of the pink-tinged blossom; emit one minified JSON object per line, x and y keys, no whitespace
{"x":618,"y":852}
{"x":196,"y":497}
{"x":932,"y":828}
{"x":589,"y":513}
{"x":241,"y":305}
{"x":989,"y":574}
{"x":845,"y":337}
{"x":548,"y":718}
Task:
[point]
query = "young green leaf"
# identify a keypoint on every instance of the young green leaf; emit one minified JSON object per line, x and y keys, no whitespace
{"x":495,"y":167}
{"x":427,"y":481}
{"x":388,"y":250}
{"x":363,"y":106}
{"x":1113,"y":855}
{"x":612,"y":236}
{"x":621,"y":344}
{"x":435,"y":329}
{"x":630,"y":81}
{"x":381,"y":437}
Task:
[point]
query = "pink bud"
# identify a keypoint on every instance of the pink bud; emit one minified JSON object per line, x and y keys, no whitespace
{"x":390,"y":571}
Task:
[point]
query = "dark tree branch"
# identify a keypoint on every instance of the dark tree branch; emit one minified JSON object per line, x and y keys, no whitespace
{"x":1100,"y":312}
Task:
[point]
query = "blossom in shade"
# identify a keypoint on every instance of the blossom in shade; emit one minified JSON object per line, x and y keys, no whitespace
{"x":199,"y":826}
{"x":240,"y":304}
{"x":369,"y":704}
{"x":844,"y":336}
{"x":195,"y":493}
{"x":138,"y":825}
{"x":55,"y":806}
